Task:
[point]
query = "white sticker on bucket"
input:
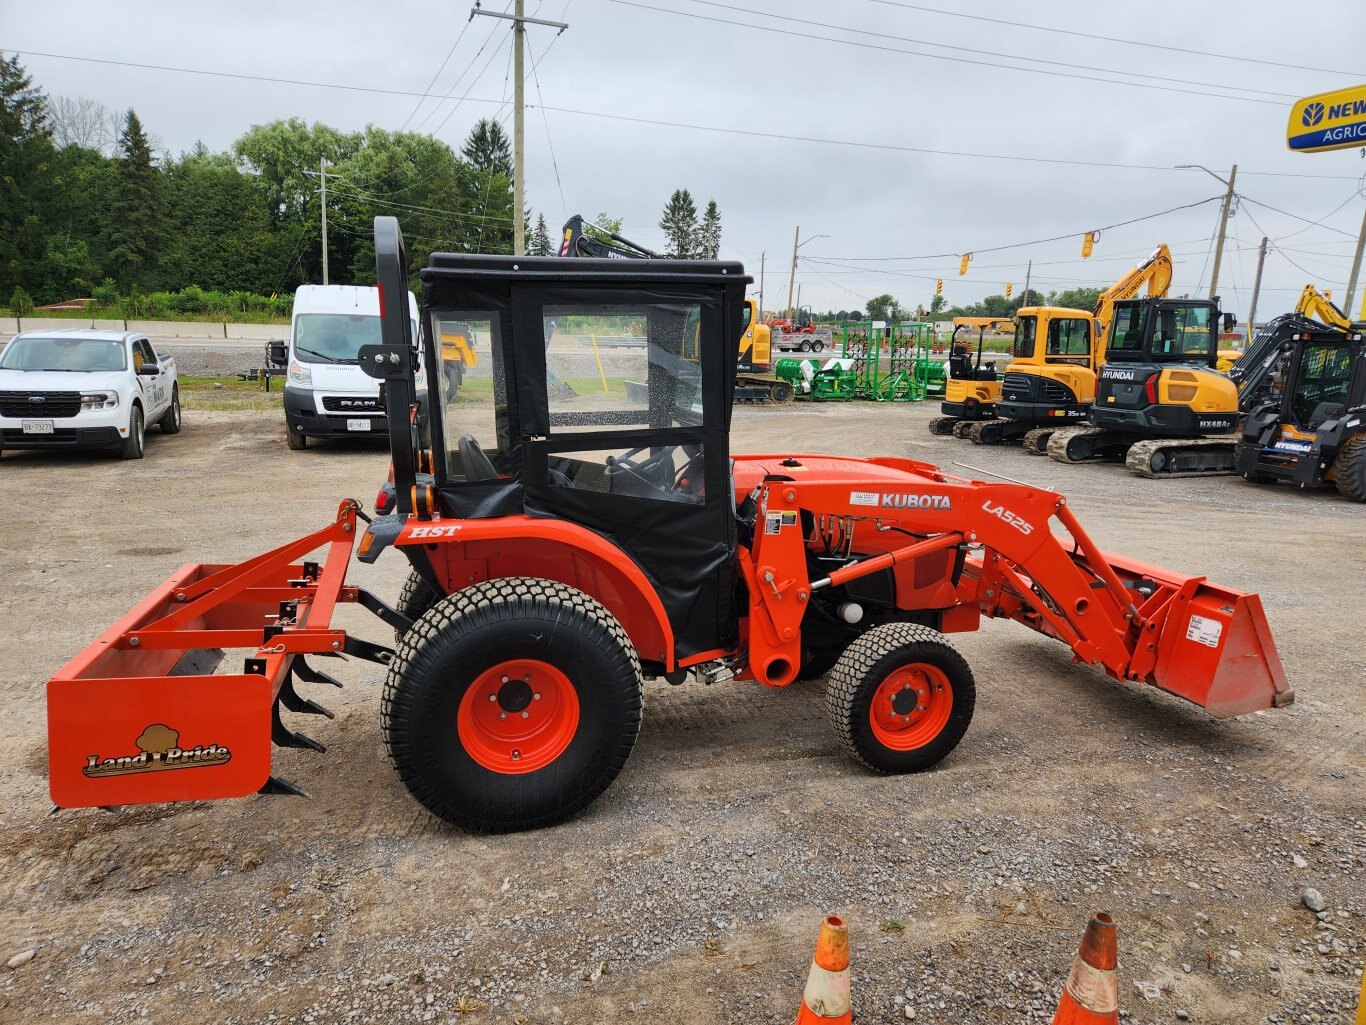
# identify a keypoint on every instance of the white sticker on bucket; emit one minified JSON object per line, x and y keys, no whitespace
{"x":863,"y":498}
{"x":1204,"y":631}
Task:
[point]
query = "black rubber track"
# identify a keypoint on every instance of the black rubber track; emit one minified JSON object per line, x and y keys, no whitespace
{"x":474,"y":629}
{"x":865,"y":664}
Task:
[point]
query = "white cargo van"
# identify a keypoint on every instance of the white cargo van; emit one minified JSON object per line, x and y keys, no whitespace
{"x":326,"y":392}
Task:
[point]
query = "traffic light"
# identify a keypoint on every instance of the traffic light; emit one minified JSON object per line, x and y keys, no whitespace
{"x":1009,"y":289}
{"x":1087,"y":242}
{"x":938,"y":286}
{"x":963,"y":267}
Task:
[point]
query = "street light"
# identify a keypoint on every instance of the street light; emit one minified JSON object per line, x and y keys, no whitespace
{"x":1223,"y":218}
{"x":792,"y":277}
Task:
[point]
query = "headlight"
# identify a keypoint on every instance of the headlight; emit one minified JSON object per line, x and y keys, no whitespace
{"x":99,"y":400}
{"x":300,"y":375}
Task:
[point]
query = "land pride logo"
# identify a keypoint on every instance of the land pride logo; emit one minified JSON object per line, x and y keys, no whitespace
{"x":159,"y":750}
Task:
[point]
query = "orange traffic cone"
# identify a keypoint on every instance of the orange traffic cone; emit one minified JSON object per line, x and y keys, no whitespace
{"x":826,"y":997}
{"x":1091,"y":995}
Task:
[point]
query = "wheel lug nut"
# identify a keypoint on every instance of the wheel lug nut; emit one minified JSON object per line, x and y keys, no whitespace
{"x":505,"y":679}
{"x":493,"y":697}
{"x":516,"y":755}
{"x":502,"y":715}
{"x":526,"y":715}
{"x":536,"y":696}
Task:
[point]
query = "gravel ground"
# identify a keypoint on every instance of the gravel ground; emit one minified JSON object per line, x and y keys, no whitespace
{"x":695,"y":886}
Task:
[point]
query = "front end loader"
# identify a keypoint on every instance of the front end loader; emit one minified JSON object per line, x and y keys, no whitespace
{"x":564,"y":548}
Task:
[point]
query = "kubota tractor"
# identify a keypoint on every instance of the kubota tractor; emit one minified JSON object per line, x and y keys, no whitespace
{"x":566,"y":547}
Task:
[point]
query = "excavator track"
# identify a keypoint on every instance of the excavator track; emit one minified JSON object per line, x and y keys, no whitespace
{"x":1160,"y":458}
{"x":1035,"y":442}
{"x":1060,"y":445}
{"x":961,"y":428}
{"x":941,"y":426}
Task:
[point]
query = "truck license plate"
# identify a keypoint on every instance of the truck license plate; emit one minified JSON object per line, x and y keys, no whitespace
{"x":351,"y":425}
{"x":37,"y":426}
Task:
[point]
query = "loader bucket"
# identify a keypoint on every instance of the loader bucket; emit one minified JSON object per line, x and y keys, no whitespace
{"x":1203,"y":642}
{"x":141,"y":717}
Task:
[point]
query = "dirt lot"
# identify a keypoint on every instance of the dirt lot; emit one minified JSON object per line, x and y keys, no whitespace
{"x":695,"y":885}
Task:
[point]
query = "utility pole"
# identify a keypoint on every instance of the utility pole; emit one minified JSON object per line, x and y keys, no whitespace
{"x":1029,"y":270}
{"x":1223,"y":226}
{"x":1356,"y":269}
{"x":519,"y":23}
{"x":797,"y":310}
{"x":1256,"y":288}
{"x":762,"y":257}
{"x":792,"y":278}
{"x":322,"y":175}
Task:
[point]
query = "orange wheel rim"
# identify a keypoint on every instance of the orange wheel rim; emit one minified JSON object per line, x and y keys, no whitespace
{"x":518,"y":716}
{"x":911,"y":706}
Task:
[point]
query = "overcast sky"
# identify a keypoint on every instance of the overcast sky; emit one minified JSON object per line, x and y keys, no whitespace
{"x":829,"y":72}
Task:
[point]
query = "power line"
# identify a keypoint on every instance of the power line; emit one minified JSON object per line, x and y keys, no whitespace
{"x":746,"y":132}
{"x":1297,"y":217}
{"x":936,"y":56}
{"x":449,"y":53}
{"x":979,"y":52}
{"x":564,"y":206}
{"x":1035,"y":242}
{"x":1112,"y":39}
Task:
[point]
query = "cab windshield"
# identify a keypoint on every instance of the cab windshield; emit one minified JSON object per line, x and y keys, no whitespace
{"x":1325,"y":376}
{"x":77,"y":355}
{"x":335,"y":337}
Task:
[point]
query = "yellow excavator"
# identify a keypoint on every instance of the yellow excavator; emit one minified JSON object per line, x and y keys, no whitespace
{"x":1051,"y":379}
{"x":973,"y":389}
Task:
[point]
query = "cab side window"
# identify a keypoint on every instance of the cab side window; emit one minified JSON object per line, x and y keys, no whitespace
{"x":143,"y":354}
{"x":1070,"y":337}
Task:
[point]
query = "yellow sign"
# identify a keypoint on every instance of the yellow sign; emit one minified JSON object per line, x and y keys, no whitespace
{"x":1328,"y":121}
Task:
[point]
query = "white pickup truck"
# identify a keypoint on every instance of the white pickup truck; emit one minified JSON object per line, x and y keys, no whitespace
{"x":85,"y":389}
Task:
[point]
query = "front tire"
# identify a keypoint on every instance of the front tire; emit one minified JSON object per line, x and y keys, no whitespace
{"x":134,"y":446}
{"x":296,"y":440}
{"x":1350,"y":477}
{"x":170,"y":420}
{"x":512,"y":704}
{"x":900,"y":698}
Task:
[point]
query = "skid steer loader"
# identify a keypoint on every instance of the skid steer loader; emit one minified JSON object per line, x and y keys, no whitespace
{"x":564,"y":548}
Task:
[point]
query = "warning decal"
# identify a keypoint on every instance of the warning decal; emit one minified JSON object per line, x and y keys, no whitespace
{"x":1204,"y":631}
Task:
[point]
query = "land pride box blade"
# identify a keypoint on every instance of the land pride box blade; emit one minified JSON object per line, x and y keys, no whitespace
{"x":140,"y":716}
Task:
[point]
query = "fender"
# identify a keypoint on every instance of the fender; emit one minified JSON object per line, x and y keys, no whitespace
{"x":463,"y":552}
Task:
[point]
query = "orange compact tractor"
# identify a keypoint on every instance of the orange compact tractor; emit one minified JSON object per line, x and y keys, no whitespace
{"x":566,"y":544}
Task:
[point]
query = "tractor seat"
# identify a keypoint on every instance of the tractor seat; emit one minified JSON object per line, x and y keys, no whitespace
{"x":1325,"y":411}
{"x":474,"y":465}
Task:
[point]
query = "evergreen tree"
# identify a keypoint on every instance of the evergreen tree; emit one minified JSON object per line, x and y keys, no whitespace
{"x":26,"y":158}
{"x":709,"y":234}
{"x":680,"y":225}
{"x":135,"y":218}
{"x":487,"y":148}
{"x":540,"y":239}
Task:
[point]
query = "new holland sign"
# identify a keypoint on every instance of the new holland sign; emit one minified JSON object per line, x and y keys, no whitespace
{"x":1328,"y":121}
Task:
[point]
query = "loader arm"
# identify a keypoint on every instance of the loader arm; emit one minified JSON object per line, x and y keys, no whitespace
{"x":1139,"y":623}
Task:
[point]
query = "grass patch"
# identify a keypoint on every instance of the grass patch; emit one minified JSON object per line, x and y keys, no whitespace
{"x":229,"y":392}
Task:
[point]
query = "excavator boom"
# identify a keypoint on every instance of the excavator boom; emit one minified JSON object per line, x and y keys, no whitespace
{"x":1155,"y":272}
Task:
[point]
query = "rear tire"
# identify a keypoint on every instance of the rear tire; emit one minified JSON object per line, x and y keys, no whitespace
{"x":464,"y":729}
{"x":818,"y":346}
{"x":296,"y":440}
{"x":170,"y":420}
{"x":416,"y":599}
{"x":1350,"y":477}
{"x":135,"y":445}
{"x":900,"y":698}
{"x":804,"y":346}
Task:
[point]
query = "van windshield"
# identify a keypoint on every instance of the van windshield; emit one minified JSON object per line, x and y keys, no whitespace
{"x":335,"y":337}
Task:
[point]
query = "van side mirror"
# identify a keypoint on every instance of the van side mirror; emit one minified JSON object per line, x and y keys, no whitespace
{"x":277,"y":352}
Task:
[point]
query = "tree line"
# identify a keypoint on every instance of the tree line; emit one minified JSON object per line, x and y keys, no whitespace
{"x":89,"y":208}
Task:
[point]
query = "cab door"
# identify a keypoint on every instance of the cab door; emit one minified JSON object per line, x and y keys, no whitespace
{"x":156,"y":391}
